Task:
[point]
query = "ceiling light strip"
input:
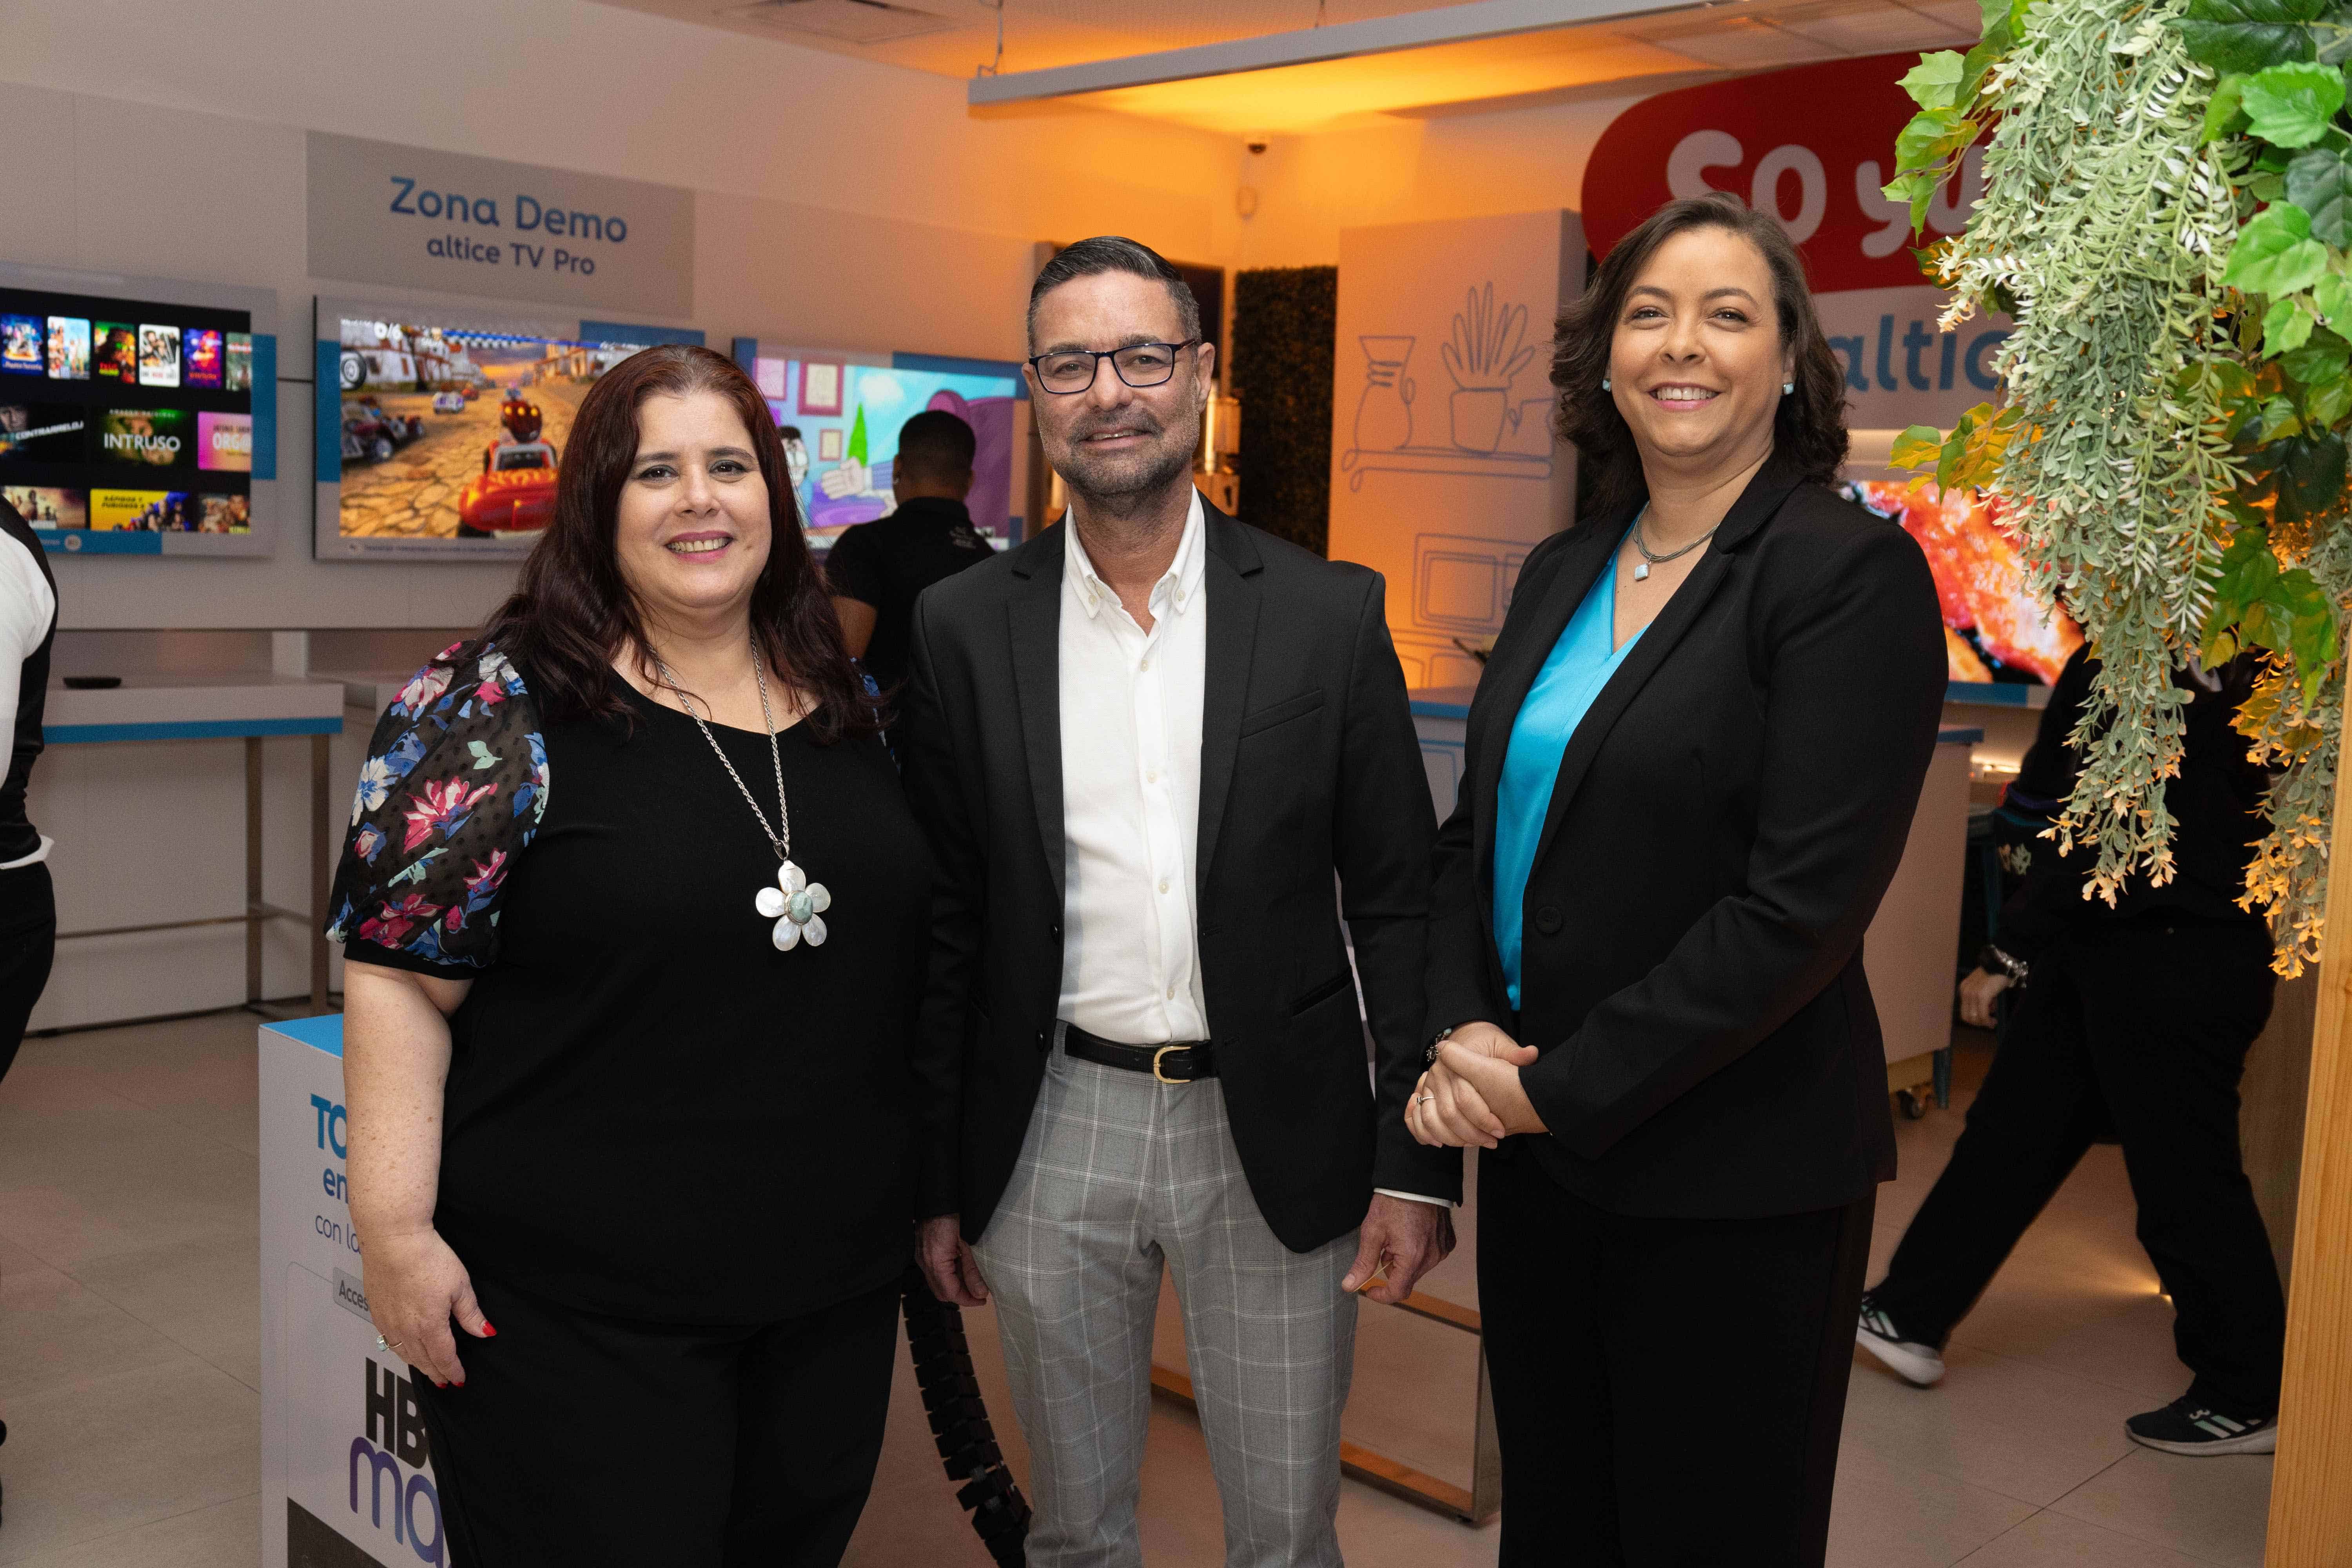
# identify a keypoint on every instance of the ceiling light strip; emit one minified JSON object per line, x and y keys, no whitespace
{"x":1375,"y":36}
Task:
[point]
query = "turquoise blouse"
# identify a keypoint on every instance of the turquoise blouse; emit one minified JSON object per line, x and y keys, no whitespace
{"x":1578,"y":666}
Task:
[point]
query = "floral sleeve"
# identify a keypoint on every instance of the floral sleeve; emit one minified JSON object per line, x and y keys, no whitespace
{"x":454,"y":787}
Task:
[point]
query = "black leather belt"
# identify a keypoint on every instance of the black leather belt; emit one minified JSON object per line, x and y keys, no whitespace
{"x":1184,"y":1063}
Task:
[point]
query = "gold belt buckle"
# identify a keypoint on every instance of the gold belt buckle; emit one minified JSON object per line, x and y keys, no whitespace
{"x":1155,"y":1064}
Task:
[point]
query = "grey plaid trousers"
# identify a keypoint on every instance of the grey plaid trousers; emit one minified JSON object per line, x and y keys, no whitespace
{"x":1118,"y":1172}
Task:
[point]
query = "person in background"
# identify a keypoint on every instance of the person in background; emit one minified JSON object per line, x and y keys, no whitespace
{"x":1145,"y":743}
{"x":636,"y":921}
{"x":2134,"y":1016}
{"x":28,"y":904}
{"x":878,"y":568}
{"x":1691,"y":765}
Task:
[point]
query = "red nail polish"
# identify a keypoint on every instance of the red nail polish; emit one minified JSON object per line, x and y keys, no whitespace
{"x":489,"y":1332}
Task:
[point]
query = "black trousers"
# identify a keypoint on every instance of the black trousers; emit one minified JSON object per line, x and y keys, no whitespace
{"x":2142,"y":1027}
{"x":1668,"y":1392}
{"x":28,"y":940}
{"x":589,"y":1441}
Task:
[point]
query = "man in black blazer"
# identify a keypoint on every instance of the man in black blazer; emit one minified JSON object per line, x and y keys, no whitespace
{"x":1144,"y":744}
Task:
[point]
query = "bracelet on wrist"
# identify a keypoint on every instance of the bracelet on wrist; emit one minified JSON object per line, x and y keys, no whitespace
{"x":1993,"y":961}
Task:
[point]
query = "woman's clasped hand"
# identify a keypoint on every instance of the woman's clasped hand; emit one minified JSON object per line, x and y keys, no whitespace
{"x":1471,"y":1095}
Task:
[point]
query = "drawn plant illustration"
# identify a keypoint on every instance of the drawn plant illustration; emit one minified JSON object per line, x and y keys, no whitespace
{"x":1488,"y":351}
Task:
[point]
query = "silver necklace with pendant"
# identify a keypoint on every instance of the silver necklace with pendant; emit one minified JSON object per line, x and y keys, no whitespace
{"x":1650,"y":558}
{"x":796,"y":904}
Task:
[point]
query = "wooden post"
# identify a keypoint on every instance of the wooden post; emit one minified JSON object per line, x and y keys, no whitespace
{"x":2311,"y":1482}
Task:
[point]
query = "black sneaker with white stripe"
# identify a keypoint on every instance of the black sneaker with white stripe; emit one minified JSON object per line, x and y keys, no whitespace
{"x":2187,"y":1426}
{"x":1920,"y":1366}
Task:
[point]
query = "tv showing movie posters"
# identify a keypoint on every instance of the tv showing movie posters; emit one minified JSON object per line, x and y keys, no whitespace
{"x":200,"y":355}
{"x":1997,"y":635}
{"x":48,"y":506}
{"x":839,"y":412}
{"x":124,"y":430}
{"x":115,"y":347}
{"x":20,"y":345}
{"x":450,"y":427}
{"x":159,"y":355}
{"x":68,"y":348}
{"x":239,"y":368}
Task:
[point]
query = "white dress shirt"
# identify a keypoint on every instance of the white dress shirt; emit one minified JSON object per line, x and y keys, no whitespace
{"x":1131,"y":800}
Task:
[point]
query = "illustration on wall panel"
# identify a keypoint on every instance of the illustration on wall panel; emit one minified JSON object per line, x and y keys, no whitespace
{"x":1480,"y":429}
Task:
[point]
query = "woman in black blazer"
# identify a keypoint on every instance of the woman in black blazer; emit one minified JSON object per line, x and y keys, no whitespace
{"x":1691,"y":764}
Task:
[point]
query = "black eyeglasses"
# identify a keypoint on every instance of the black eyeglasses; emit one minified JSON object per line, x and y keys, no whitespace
{"x":1071,"y":370}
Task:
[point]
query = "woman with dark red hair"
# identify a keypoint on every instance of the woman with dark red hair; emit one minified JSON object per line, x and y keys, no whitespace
{"x":635,"y":923}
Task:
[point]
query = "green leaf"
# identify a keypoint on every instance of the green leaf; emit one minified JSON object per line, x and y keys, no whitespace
{"x":2249,"y":34}
{"x":1935,"y":81}
{"x":2333,"y":295}
{"x":2222,"y":115}
{"x":483,"y":756}
{"x":2290,"y":105}
{"x":2321,"y":358}
{"x":2287,"y":324}
{"x":2311,"y":475}
{"x":1917,"y":447}
{"x":2276,"y":253}
{"x":1917,"y":190}
{"x":1932,"y":136}
{"x":2325,"y":406}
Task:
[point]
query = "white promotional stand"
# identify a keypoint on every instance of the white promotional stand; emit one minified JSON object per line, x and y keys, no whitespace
{"x":346,"y":1469}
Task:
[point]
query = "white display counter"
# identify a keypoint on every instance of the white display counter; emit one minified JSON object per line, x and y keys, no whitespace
{"x":346,"y":1468}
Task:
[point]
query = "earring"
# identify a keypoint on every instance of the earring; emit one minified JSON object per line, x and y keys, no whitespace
{"x":1604,"y":384}
{"x":1786,"y":387}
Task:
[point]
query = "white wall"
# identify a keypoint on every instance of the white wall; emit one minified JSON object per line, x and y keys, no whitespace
{"x":840,"y":202}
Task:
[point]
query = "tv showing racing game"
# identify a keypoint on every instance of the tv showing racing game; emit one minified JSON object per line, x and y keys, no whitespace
{"x":441,"y":432}
{"x":839,"y":411}
{"x":119,"y":433}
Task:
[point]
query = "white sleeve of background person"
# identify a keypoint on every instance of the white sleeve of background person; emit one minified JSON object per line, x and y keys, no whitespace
{"x":26,"y":608}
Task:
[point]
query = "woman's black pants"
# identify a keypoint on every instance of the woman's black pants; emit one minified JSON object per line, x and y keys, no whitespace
{"x":598,"y":1442}
{"x":29,"y":940}
{"x":2140,"y":1026}
{"x":1667,"y":1392}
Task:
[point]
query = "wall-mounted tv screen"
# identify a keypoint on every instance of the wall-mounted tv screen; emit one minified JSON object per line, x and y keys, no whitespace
{"x":839,"y":411}
{"x":2000,"y":643}
{"x":132,"y":426}
{"x":441,"y":431}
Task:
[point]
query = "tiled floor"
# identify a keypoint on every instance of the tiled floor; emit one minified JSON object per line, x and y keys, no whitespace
{"x":130,"y":1367}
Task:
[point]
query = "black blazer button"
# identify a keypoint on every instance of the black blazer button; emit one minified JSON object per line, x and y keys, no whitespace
{"x":1549,"y":921}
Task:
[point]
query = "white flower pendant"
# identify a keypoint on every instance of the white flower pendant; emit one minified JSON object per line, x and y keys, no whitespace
{"x":797,"y":906}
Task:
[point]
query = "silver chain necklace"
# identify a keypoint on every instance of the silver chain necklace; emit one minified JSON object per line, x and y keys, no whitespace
{"x":1651,"y":558}
{"x":796,"y":904}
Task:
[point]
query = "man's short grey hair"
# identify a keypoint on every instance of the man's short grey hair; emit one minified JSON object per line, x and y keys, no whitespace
{"x":1113,"y":253}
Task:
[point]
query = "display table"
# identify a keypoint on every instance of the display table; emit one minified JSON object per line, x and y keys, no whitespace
{"x":248,"y":707}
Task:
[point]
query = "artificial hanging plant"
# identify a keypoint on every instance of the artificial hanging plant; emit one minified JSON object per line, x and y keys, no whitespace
{"x":2166,"y":216}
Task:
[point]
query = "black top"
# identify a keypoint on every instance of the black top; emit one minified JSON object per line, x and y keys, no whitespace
{"x":2216,"y":804}
{"x":1309,"y":767}
{"x":887,"y":561}
{"x":650,"y":1112}
{"x":1725,"y":821}
{"x":18,"y":838}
